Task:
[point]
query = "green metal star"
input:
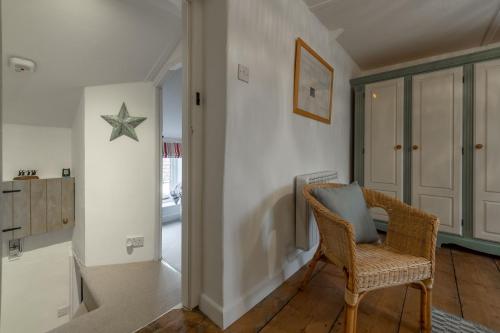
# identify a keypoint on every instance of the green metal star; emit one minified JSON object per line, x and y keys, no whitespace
{"x":123,"y":124}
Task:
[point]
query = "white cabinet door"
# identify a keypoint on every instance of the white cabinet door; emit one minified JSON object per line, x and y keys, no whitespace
{"x":437,"y":146}
{"x":487,"y":151}
{"x":384,"y":139}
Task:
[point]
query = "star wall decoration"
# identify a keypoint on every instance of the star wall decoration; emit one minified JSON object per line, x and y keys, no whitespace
{"x":123,"y":124}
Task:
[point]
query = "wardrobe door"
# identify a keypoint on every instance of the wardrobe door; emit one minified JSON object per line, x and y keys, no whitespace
{"x":21,"y":208}
{"x":384,"y":139}
{"x":487,"y":151}
{"x":54,"y":207}
{"x":6,"y":206}
{"x":68,"y":202}
{"x":437,"y":146}
{"x":38,"y":201}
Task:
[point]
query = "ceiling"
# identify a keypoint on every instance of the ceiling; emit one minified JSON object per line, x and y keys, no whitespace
{"x":79,"y":43}
{"x":385,"y":32}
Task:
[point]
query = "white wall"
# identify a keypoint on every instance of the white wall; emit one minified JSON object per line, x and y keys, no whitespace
{"x":78,"y":171}
{"x":28,"y":147}
{"x":267,"y":145}
{"x":121,"y":187}
{"x":172,"y":105}
{"x":214,"y":108}
{"x":36,"y":285}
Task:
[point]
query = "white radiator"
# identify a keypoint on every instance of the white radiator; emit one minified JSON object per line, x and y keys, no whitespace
{"x":306,"y":231}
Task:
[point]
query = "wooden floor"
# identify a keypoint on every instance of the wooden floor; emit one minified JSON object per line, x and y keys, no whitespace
{"x":467,"y":284}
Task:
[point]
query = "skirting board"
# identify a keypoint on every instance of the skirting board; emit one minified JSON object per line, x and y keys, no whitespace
{"x":469,"y":243}
{"x":211,"y":309}
{"x":229,"y":314}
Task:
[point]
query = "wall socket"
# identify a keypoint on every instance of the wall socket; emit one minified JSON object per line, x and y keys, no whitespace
{"x":135,"y":241}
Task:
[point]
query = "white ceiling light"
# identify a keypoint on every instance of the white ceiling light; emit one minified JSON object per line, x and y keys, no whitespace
{"x":22,"y":65}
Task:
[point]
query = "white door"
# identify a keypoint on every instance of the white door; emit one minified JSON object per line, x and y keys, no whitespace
{"x":384,"y":139}
{"x":487,"y":151}
{"x":437,"y":146}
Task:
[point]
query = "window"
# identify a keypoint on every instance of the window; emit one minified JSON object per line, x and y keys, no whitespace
{"x":172,"y":181}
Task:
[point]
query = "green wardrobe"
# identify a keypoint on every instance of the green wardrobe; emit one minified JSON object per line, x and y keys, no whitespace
{"x":430,"y":135}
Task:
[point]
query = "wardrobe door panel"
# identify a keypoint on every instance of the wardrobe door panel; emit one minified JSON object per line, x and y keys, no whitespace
{"x":6,"y":207}
{"x":487,"y":151}
{"x":38,"y":206}
{"x":437,"y":146}
{"x":384,"y":139}
{"x":54,"y":210}
{"x":21,"y":208}
{"x":68,"y":201}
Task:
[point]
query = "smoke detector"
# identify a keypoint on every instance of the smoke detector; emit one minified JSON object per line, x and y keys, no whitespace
{"x":22,"y":65}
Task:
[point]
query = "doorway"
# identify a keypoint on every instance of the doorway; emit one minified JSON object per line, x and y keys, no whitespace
{"x":171,"y":169}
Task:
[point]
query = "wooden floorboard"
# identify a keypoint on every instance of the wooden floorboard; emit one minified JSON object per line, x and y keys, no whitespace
{"x":260,"y":315}
{"x":379,"y":312}
{"x":314,"y":310}
{"x":478,"y":282}
{"x":445,"y":294}
{"x":466,"y":285}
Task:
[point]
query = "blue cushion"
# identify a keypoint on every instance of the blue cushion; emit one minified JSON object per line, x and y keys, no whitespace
{"x":349,"y":203}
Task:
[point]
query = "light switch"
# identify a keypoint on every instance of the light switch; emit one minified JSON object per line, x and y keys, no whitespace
{"x":243,"y":73}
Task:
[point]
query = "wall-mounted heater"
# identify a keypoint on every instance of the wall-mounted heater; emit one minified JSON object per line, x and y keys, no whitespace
{"x":306,"y":231}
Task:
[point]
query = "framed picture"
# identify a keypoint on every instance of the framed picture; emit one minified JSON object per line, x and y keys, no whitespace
{"x":313,"y":85}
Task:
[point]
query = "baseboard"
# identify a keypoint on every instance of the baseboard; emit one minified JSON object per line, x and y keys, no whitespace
{"x":211,"y":309}
{"x":254,"y":296}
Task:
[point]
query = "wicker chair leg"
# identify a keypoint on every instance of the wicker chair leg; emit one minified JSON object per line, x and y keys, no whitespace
{"x":310,"y":268}
{"x":351,"y":314}
{"x":426,"y":309}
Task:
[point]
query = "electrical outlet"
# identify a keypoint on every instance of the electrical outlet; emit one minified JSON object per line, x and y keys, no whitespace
{"x":243,"y":73}
{"x":135,"y":241}
{"x":62,"y":311}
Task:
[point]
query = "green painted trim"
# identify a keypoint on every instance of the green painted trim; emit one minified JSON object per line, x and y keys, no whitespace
{"x":430,"y":66}
{"x":359,"y":134}
{"x":468,"y":151}
{"x":407,"y":141}
{"x":467,"y":61}
{"x":469,"y":243}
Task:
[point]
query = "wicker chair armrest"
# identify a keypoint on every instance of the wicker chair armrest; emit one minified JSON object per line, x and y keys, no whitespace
{"x":410,"y":230}
{"x":336,"y":234}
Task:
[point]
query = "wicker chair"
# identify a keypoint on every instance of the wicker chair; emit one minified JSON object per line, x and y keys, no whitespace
{"x":406,"y":257}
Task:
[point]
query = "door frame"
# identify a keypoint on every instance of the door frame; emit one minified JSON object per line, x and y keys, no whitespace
{"x":189,"y":53}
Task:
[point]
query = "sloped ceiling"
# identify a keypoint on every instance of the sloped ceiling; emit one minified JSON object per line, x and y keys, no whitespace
{"x":385,"y":32}
{"x":79,"y":43}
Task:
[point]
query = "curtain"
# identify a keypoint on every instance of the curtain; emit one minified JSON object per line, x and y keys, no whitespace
{"x":172,"y":149}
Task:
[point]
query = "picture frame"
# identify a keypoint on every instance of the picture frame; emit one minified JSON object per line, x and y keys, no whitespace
{"x":313,"y":84}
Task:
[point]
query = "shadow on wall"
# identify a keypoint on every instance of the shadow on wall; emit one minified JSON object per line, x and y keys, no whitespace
{"x":270,"y":237}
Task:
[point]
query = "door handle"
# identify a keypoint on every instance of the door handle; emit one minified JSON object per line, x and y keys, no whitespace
{"x":398,"y":147}
{"x":414,"y":147}
{"x":479,"y":146}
